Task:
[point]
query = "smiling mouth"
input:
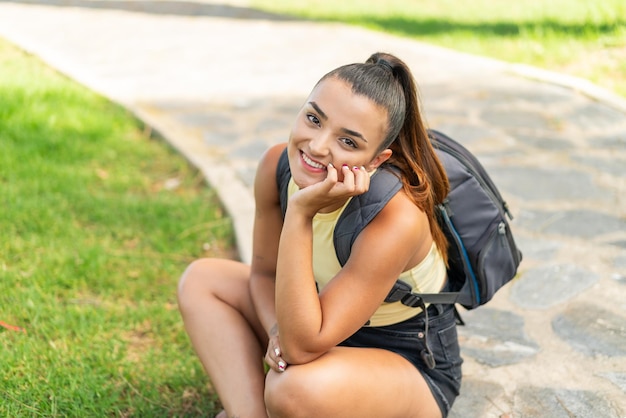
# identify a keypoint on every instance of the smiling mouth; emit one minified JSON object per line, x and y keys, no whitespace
{"x":311,"y":162}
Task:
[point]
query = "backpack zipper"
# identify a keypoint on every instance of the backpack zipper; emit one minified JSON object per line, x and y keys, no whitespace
{"x":477,"y":172}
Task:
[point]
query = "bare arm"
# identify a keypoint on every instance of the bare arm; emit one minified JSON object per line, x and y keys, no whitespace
{"x":311,"y":324}
{"x":267,"y":226}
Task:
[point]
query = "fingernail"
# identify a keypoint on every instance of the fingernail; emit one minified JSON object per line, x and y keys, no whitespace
{"x":331,"y":165}
{"x":277,"y":352}
{"x":355,"y":168}
{"x":345,"y":165}
{"x":281,"y":366}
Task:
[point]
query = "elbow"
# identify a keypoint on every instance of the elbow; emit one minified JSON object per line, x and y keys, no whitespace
{"x":300,"y":357}
{"x":297,"y":353}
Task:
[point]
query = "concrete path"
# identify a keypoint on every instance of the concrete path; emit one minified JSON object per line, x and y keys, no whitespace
{"x":222,"y":82}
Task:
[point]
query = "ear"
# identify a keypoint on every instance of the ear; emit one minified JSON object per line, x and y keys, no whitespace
{"x":379,"y":159}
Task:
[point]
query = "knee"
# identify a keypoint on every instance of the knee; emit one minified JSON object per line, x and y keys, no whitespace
{"x":283,"y":394}
{"x":194,"y":282}
{"x":298,"y":392}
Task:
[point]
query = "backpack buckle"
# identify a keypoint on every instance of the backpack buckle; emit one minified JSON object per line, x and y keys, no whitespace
{"x":399,"y":290}
{"x":412,"y":300}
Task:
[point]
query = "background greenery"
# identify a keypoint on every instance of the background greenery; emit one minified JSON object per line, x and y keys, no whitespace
{"x":98,"y":220}
{"x":99,"y":217}
{"x":583,"y":38}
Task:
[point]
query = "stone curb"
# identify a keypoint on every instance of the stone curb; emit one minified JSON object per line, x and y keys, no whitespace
{"x":576,"y":84}
{"x":551,"y":344}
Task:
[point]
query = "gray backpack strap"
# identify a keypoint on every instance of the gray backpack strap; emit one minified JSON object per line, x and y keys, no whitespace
{"x":402,"y":292}
{"x":283,"y":175}
{"x":384,"y":184}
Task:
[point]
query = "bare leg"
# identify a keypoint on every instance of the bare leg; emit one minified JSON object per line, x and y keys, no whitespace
{"x":215,"y":304}
{"x":351,"y":382}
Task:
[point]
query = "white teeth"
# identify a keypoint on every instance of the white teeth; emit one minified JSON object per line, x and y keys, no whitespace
{"x":311,"y":162}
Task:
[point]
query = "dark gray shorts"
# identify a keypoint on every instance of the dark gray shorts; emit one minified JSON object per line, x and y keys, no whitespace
{"x":407,"y":339}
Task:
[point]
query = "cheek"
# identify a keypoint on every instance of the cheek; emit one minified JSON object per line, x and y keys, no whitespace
{"x":299,"y":127}
{"x":293,"y":134}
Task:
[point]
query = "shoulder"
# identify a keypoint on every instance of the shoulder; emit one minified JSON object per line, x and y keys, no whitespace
{"x":268,"y":219}
{"x":400,"y":230}
{"x":402,"y":215}
{"x":269,"y":159}
{"x":387,"y":202}
{"x":393,"y":241}
{"x":265,"y":179}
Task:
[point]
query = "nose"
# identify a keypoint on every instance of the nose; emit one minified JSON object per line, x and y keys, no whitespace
{"x":319,"y":145}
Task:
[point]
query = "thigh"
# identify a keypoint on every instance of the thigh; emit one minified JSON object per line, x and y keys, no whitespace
{"x":413,"y":341}
{"x":352,"y":382}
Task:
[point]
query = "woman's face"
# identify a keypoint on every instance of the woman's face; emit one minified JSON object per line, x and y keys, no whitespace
{"x":335,"y":126}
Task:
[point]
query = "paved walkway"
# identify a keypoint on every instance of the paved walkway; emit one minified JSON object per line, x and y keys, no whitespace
{"x":222,"y":82}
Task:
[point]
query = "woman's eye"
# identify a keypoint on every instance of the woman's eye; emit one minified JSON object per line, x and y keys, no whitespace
{"x":349,"y":142}
{"x":313,"y":119}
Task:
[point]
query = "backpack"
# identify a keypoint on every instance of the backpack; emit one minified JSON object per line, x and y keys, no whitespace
{"x":482,"y":254}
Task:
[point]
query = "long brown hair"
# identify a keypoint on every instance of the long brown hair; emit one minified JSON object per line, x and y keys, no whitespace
{"x":388,"y":82}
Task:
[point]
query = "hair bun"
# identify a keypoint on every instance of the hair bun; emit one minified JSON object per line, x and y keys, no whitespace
{"x":384,"y":63}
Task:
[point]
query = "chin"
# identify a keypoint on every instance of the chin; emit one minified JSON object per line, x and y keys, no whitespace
{"x":303,"y":181}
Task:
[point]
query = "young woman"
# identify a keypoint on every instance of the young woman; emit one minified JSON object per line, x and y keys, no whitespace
{"x":333,"y":346}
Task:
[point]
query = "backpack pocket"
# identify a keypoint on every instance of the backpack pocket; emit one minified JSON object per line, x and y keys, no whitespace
{"x":497,"y":261}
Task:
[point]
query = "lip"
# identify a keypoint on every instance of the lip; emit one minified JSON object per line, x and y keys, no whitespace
{"x":309,"y":167}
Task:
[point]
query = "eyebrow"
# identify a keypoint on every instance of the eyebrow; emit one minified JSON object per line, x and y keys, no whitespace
{"x":318,"y":110}
{"x":346,"y":130}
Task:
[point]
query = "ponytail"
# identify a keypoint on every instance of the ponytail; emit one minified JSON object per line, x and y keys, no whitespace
{"x":388,"y":82}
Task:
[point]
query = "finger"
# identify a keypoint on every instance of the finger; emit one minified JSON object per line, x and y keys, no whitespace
{"x":362,"y":180}
{"x":271,"y":353}
{"x":348,"y":177}
{"x":277,"y":364}
{"x":273,"y":356}
{"x":271,"y":360}
{"x":359,"y":179}
{"x":331,"y":173}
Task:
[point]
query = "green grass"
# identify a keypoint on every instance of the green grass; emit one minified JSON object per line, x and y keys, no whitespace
{"x":583,"y":38}
{"x":98,"y":220}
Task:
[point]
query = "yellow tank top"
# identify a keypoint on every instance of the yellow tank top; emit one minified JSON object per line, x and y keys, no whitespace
{"x":427,"y":277}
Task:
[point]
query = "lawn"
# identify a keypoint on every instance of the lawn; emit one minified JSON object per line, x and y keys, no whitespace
{"x":582,"y":38}
{"x":99,"y":217}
